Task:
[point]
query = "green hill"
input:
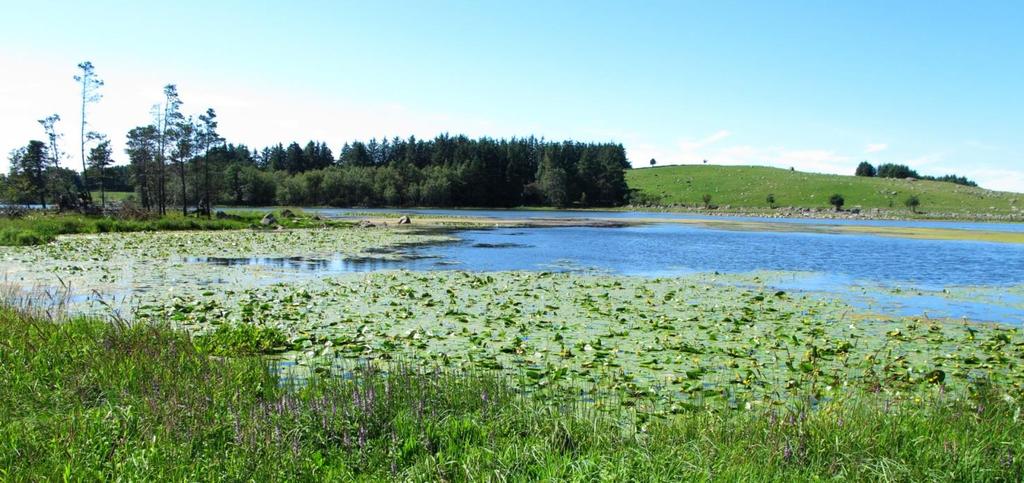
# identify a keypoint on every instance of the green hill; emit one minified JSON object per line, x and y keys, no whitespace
{"x":747,"y":187}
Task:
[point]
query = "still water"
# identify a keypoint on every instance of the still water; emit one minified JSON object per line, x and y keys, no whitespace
{"x":626,"y":215}
{"x":938,"y":278}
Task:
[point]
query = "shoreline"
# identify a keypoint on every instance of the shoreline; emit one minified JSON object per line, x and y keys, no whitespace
{"x":869,"y":214}
{"x":873,"y":214}
{"x":924,"y":233}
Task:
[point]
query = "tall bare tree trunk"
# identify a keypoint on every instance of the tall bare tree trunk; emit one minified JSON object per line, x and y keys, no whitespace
{"x":206,"y":181}
{"x":184,"y":193}
{"x":81,"y":138}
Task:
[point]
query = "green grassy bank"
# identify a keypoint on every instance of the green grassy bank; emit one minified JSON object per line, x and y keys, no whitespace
{"x":748,"y":187}
{"x":113,"y":195}
{"x":37,"y":228}
{"x":87,"y":399}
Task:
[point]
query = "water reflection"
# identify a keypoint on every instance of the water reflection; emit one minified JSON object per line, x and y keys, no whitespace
{"x":877,"y":273}
{"x":303,"y":264}
{"x":597,"y":214}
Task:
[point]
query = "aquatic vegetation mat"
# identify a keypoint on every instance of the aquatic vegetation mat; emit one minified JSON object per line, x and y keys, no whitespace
{"x":126,"y":265}
{"x":666,"y":344}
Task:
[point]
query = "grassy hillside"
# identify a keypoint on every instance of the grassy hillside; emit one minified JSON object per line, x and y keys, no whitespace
{"x":743,"y":187}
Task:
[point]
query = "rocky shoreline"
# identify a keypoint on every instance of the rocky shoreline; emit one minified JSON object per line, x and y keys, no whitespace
{"x":854,"y":213}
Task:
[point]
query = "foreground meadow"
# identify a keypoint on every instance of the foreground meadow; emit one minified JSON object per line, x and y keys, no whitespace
{"x":252,"y":372}
{"x":87,"y":399}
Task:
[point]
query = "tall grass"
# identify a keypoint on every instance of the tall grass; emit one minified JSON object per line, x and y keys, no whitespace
{"x":40,"y":228}
{"x":86,"y":399}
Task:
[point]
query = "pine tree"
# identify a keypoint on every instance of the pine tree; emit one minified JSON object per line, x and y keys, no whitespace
{"x":30,"y":168}
{"x":99,"y":160}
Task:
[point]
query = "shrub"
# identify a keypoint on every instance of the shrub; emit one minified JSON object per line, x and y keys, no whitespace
{"x":912,"y":203}
{"x":837,"y":201}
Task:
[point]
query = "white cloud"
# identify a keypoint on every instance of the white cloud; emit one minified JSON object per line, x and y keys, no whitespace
{"x":998,"y":179}
{"x":929,"y":162}
{"x":690,"y":145}
{"x":710,"y":148}
{"x":982,"y":146}
{"x":876,"y":147}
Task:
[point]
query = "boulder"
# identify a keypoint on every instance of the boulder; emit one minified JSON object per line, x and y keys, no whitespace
{"x":268,"y":220}
{"x":286,"y":213}
{"x":404,"y":220}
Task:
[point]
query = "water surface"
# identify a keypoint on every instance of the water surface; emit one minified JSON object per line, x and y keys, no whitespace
{"x":897,"y":276}
{"x":577,"y":214}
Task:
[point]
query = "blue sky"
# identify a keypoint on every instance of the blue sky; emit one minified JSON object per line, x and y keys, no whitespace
{"x":815,"y":85}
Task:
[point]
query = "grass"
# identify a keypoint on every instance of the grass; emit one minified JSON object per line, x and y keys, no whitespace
{"x":747,"y":187}
{"x":37,"y":229}
{"x":40,"y":228}
{"x":87,"y":399}
{"x":114,"y":196}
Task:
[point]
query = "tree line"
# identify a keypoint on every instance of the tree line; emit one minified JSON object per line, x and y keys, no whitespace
{"x":901,"y":171}
{"x":445,"y":171}
{"x":181,"y":161}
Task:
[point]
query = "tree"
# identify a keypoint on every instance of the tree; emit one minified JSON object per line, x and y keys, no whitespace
{"x":53,"y":149}
{"x":770,"y":199}
{"x":50,"y":127}
{"x":29,"y":169}
{"x":899,"y":171}
{"x":912,"y":202}
{"x":99,"y":160}
{"x":208,"y":137}
{"x":837,"y":201}
{"x":142,"y":155}
{"x":184,"y":148}
{"x":295,"y":159}
{"x":707,"y":200}
{"x":553,"y":182}
{"x":653,"y":162}
{"x":169,"y":120}
{"x":90,"y":94}
{"x":865,"y":169}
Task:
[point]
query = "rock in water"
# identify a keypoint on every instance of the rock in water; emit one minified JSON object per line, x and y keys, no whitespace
{"x":268,"y":220}
{"x":286,"y":213}
{"x":404,"y":220}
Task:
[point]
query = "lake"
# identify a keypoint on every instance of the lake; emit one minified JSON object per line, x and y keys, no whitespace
{"x":627,"y":215}
{"x":898,"y":276}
